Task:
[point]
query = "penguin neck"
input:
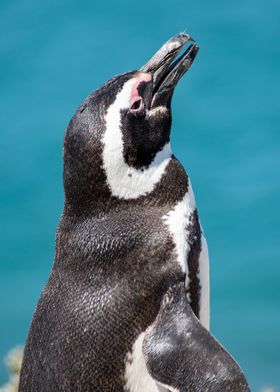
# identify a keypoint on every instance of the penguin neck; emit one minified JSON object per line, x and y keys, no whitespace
{"x":94,"y":196}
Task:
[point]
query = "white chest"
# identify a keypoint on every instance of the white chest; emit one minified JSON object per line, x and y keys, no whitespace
{"x":177,"y":221}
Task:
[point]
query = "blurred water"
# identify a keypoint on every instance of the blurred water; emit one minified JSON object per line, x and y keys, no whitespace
{"x":225,"y":131}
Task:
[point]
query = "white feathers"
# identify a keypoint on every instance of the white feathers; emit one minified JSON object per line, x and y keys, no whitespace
{"x":136,"y":373}
{"x":177,"y":221}
{"x":170,"y":389}
{"x":157,"y":109}
{"x":204,"y":312}
{"x":124,"y":181}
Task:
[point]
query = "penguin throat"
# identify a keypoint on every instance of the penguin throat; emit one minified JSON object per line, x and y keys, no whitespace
{"x":124,"y":181}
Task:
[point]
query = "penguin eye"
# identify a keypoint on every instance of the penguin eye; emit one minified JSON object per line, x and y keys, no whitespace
{"x":137,"y":107}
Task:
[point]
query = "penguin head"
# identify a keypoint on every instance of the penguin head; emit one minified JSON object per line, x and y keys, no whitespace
{"x":117,"y":142}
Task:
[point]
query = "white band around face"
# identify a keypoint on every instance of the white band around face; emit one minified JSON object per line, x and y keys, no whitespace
{"x":124,"y":181}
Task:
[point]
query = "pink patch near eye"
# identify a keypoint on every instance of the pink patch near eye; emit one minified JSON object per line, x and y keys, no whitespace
{"x":135,"y":98}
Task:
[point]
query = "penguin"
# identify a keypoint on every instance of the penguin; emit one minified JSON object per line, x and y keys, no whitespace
{"x":128,"y":233}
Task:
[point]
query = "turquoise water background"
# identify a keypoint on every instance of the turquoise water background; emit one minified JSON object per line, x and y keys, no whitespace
{"x":225,"y":131}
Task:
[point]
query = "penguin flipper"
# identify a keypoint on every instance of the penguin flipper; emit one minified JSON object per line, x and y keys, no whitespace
{"x":181,"y":355}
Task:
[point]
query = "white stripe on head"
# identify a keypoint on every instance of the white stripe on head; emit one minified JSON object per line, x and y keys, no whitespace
{"x":177,"y":221}
{"x":125,"y":181}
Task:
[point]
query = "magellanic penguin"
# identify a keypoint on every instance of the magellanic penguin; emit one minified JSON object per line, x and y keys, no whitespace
{"x":129,"y":232}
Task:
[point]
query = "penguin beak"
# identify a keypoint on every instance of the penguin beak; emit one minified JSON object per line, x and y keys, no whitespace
{"x":167,"y":71}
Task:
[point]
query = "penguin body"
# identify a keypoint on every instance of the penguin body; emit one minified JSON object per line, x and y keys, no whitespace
{"x":129,"y":231}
